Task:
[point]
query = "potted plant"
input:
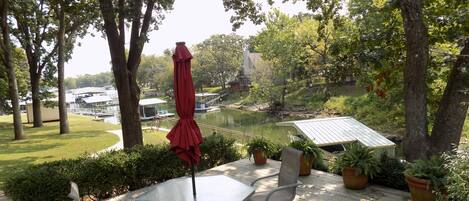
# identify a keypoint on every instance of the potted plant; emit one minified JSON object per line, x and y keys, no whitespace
{"x":356,"y":163}
{"x":425,"y":177}
{"x":260,"y":149}
{"x":311,"y":152}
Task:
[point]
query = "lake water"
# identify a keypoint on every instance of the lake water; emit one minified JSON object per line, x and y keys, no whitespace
{"x":238,"y":124}
{"x":234,"y":123}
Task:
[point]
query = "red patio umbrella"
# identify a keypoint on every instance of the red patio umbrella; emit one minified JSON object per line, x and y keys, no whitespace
{"x":185,"y":136}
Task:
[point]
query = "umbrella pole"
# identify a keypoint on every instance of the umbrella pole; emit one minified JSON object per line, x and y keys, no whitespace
{"x":193,"y":179}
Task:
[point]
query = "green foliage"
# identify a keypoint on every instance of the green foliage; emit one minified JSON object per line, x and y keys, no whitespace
{"x":217,"y":150}
{"x":307,"y":147}
{"x":277,"y":150}
{"x":156,"y":72}
{"x":112,"y":173}
{"x":29,"y":183}
{"x":458,"y":173}
{"x":22,"y":78}
{"x":358,"y":157}
{"x":98,"y":80}
{"x":380,"y":114}
{"x":310,"y":149}
{"x":217,"y":60}
{"x":337,"y":104}
{"x":391,"y":174}
{"x":260,"y":143}
{"x":432,"y":170}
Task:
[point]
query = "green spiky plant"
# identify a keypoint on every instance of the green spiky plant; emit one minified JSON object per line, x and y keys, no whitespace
{"x":358,"y":157}
{"x":432,"y":170}
{"x":259,"y":143}
{"x":307,"y":147}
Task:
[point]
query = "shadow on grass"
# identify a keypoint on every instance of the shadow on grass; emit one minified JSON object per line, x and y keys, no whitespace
{"x":33,"y":147}
{"x":43,"y":142}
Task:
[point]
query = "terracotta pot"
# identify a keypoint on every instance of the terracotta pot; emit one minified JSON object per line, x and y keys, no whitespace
{"x":259,"y":157}
{"x":306,"y":163}
{"x":352,"y":180}
{"x":420,"y":189}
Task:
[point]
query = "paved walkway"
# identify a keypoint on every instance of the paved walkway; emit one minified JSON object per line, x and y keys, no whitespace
{"x":319,"y":186}
{"x":119,"y":145}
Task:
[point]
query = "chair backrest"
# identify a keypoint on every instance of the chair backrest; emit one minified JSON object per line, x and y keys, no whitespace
{"x":74,"y":193}
{"x":290,"y":167}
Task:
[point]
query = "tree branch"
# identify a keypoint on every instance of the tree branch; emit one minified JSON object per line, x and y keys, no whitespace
{"x":134,"y":37}
{"x":47,"y":57}
{"x":115,"y":46}
{"x":137,"y":44}
{"x":121,"y":21}
{"x":44,"y":28}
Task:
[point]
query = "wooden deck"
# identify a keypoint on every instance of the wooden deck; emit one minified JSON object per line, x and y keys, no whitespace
{"x":318,"y":186}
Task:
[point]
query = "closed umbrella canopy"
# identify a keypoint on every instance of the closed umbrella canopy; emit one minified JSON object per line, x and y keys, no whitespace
{"x":185,"y":136}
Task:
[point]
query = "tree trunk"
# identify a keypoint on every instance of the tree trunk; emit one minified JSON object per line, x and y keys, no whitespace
{"x":124,"y":73}
{"x":452,"y":110}
{"x":37,"y":115}
{"x":128,"y":105}
{"x":284,"y":92}
{"x":64,"y":128}
{"x":12,"y":83}
{"x":416,"y":138}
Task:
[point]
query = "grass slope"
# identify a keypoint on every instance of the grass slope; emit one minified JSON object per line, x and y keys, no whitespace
{"x":154,"y":137}
{"x":46,"y":144}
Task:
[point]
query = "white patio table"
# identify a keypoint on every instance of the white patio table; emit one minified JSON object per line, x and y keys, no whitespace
{"x":209,"y":188}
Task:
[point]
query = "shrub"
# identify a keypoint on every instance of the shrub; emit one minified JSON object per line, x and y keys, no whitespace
{"x":391,"y":174}
{"x":432,"y":170}
{"x":40,"y":182}
{"x":336,"y":104}
{"x":458,"y":174}
{"x":358,"y":157}
{"x":217,"y":150}
{"x":112,"y":173}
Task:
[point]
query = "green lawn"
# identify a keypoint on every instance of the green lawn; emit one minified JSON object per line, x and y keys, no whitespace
{"x":45,"y":144}
{"x":154,"y":137}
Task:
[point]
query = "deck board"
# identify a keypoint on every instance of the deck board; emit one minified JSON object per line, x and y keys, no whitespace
{"x":318,"y":186}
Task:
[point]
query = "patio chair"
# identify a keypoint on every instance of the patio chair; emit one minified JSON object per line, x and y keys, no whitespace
{"x":74,"y":194}
{"x":287,"y":178}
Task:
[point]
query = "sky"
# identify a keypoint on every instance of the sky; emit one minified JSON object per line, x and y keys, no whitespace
{"x":191,"y":21}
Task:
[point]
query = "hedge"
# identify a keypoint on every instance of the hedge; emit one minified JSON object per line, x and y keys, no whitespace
{"x":112,"y":173}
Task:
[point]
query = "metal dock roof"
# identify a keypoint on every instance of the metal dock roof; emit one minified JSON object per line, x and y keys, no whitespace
{"x":97,"y":99}
{"x":151,"y":101}
{"x":339,"y":130}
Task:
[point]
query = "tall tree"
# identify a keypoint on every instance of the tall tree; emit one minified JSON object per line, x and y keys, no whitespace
{"x":415,"y":86}
{"x":451,"y":23}
{"x":74,"y":17}
{"x":6,"y":58}
{"x":448,"y":21}
{"x":35,"y":31}
{"x":60,"y":13}
{"x":221,"y":55}
{"x":155,"y":72}
{"x":125,"y":67}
